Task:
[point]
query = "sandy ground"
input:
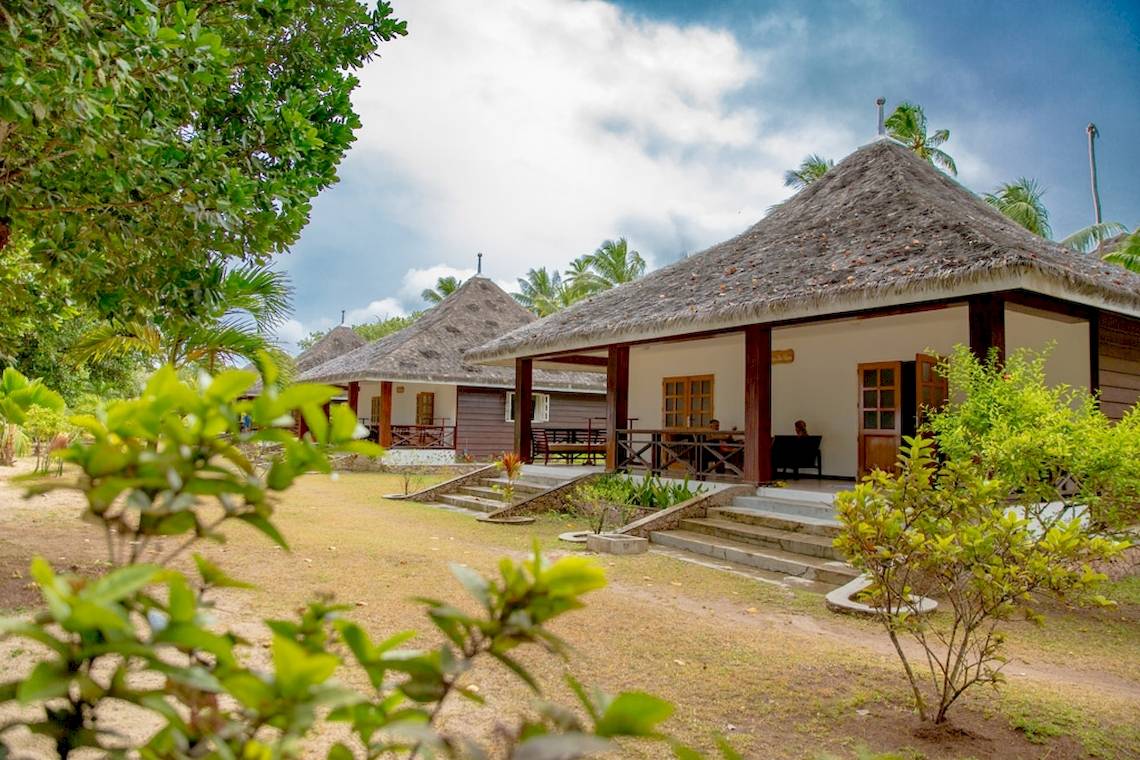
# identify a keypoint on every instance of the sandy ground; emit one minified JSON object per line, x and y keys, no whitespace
{"x":766,"y":666}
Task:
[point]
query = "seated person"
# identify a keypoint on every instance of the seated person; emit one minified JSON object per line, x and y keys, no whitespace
{"x":800,"y":428}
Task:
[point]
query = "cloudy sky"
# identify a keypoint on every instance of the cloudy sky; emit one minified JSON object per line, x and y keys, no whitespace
{"x":532,"y":130}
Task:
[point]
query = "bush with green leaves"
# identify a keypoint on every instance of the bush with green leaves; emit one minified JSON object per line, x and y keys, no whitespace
{"x":47,"y":428}
{"x":650,"y":492}
{"x":164,"y":471}
{"x":18,"y":396}
{"x":989,"y":525}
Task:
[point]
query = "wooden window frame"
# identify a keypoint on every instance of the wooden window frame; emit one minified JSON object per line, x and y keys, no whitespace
{"x":541,"y":407}
{"x":687,"y":383}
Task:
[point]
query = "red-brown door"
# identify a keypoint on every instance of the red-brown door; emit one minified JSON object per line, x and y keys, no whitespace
{"x":880,"y":423}
{"x":931,"y":388}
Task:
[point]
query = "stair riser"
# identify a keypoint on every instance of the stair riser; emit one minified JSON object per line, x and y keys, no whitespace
{"x":806,"y":509}
{"x":480,"y":492}
{"x":520,"y":488}
{"x":783,"y":522}
{"x":788,"y":544}
{"x":463,"y":503}
{"x":772,"y":564}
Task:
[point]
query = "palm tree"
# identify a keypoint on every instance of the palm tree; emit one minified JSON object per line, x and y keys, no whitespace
{"x":1021,"y":202}
{"x":1088,"y":239}
{"x":542,"y":292}
{"x":444,"y":287}
{"x":907,"y":124}
{"x":235,"y":323}
{"x":1127,"y":254}
{"x":581,"y":277}
{"x":614,"y":264}
{"x":810,"y":169}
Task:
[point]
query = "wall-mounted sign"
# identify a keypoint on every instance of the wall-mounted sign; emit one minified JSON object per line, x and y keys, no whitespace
{"x":784,"y":356}
{"x":399,"y":389}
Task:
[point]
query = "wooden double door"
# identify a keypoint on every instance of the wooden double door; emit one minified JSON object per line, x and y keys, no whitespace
{"x":893,"y":400}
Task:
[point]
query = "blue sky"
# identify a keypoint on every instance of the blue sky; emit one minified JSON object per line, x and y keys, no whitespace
{"x":532,"y":130}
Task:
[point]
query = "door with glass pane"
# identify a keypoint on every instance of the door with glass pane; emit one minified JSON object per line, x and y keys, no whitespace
{"x":687,"y":402}
{"x":880,"y":421}
{"x":425,"y":408}
{"x":931,"y":388}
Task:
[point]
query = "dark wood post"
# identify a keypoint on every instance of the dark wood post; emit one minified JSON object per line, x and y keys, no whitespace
{"x":385,"y":421}
{"x":987,"y":325}
{"x":1094,"y":354}
{"x":617,"y":400}
{"x":524,"y":403}
{"x":354,"y":397}
{"x":757,"y":404}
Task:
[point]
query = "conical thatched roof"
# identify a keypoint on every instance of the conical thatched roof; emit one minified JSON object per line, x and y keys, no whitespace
{"x":336,"y":342}
{"x":882,"y":228}
{"x":432,"y":348}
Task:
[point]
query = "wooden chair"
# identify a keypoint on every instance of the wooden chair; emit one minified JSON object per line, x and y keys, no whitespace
{"x":792,"y":453}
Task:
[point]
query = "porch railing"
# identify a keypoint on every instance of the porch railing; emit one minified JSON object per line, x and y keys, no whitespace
{"x":423,"y":436}
{"x":698,"y":454}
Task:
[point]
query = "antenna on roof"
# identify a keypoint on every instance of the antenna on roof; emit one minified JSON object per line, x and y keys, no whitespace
{"x":880,"y":102}
{"x":478,"y":264}
{"x":342,"y":316}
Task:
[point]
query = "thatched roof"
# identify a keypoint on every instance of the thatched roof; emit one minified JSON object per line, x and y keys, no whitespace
{"x":882,"y":228}
{"x":336,"y":342}
{"x":431,"y":349}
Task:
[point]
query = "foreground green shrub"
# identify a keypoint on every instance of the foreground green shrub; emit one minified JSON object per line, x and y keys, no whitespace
{"x":166,"y":470}
{"x":18,"y":396}
{"x":997,"y":519}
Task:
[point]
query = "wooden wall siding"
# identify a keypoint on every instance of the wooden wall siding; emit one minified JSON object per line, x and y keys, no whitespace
{"x":484,"y":433}
{"x":1119,"y":364}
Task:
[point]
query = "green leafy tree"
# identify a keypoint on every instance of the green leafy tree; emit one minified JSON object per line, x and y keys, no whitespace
{"x":370,"y":331}
{"x":544,"y":292}
{"x":813,"y":167}
{"x":614,"y":264}
{"x":444,"y":286}
{"x":907,"y":124}
{"x":142,"y":634}
{"x":46,"y":427}
{"x":1022,"y":202}
{"x":581,"y":277}
{"x":235,"y":324}
{"x":141,"y":143}
{"x":1126,"y":252}
{"x":18,"y":395}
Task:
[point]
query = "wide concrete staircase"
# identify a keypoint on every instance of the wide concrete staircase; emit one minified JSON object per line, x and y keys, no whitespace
{"x":487,"y":495}
{"x":778,"y":530}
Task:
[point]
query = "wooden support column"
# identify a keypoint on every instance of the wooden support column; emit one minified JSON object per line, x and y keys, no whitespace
{"x":385,"y":421}
{"x":1094,"y":354}
{"x":354,"y":398}
{"x":617,"y":400}
{"x":987,"y":325}
{"x":524,"y":403}
{"x":757,"y":404}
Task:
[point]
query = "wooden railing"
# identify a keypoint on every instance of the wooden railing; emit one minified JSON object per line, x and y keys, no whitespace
{"x":423,"y":436}
{"x":699,"y":454}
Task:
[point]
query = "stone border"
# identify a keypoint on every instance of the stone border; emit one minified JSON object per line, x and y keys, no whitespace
{"x":547,"y":500}
{"x":447,"y":486}
{"x":841,"y":600}
{"x":698,"y":506}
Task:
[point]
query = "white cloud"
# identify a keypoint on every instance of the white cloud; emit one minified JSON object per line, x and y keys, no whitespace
{"x":534,"y":129}
{"x":379,"y":309}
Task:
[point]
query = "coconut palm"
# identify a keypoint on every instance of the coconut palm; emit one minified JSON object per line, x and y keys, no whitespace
{"x":234,"y":325}
{"x":810,"y":169}
{"x":1021,"y":202}
{"x":444,"y":287}
{"x":614,"y":264}
{"x":581,"y":276}
{"x":544,"y":292}
{"x":907,"y":124}
{"x":1088,"y":239}
{"x":1126,"y":253}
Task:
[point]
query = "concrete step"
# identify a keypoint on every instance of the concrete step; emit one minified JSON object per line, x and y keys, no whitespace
{"x":473,"y":503}
{"x":545,"y":478}
{"x":528,"y":487}
{"x":795,"y":507}
{"x":794,"y":523}
{"x":769,"y":538}
{"x":483,"y":492}
{"x":775,"y":560}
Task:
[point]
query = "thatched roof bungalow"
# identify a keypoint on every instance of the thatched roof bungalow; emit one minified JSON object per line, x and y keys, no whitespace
{"x":825,"y":312}
{"x":415,"y":389}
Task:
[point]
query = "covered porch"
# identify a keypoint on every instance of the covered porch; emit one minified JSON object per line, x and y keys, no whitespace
{"x":724,"y":405}
{"x":401,"y":415}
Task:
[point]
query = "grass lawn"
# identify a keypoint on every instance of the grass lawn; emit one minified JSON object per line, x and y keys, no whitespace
{"x":767,"y":666}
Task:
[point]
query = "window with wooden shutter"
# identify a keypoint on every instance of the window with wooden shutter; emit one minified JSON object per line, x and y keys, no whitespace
{"x":687,"y":402}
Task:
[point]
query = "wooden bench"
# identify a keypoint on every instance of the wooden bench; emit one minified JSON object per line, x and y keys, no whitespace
{"x":567,"y":445}
{"x":792,"y":453}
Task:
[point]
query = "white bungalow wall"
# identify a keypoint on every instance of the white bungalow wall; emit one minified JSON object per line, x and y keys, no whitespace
{"x":404,"y":404}
{"x":820,"y":386}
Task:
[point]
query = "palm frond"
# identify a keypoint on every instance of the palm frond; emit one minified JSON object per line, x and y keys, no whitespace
{"x":1022,"y":202}
{"x":109,"y":340}
{"x":1127,"y":254}
{"x":262,"y":293}
{"x":1088,"y":238}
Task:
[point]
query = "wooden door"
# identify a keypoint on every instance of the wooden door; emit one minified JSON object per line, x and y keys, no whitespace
{"x":880,"y":421}
{"x":375,"y":415}
{"x":931,"y":388}
{"x":425,"y":408}
{"x":687,"y":402}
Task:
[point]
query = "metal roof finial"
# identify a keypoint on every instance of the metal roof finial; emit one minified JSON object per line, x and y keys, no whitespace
{"x":880,"y":102}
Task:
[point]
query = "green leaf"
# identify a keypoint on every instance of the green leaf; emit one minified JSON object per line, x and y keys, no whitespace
{"x":119,"y":584}
{"x":49,"y":679}
{"x":227,"y":386}
{"x":633,"y":713}
{"x":266,"y":527}
{"x":475,"y":583}
{"x":214,"y":576}
{"x":297,"y":670}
